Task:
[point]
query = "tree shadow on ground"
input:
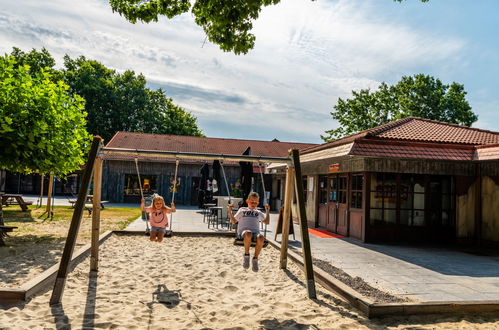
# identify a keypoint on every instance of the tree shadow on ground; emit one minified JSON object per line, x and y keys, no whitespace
{"x":17,"y":216}
{"x":28,"y":252}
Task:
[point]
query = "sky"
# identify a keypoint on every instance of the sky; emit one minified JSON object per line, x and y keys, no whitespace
{"x":307,"y":54}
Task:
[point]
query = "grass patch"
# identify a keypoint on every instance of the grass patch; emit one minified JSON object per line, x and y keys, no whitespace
{"x":34,"y":222}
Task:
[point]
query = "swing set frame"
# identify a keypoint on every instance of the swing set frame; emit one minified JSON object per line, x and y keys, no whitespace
{"x":93,"y":169}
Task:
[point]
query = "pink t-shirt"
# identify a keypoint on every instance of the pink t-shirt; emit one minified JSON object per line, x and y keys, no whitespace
{"x":157,"y":218}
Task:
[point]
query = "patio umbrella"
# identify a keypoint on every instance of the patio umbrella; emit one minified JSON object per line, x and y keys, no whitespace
{"x":216,"y":176}
{"x":246,"y":175}
{"x":205,"y":172}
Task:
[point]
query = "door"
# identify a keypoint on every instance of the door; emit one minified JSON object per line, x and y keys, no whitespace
{"x":342,"y":206}
{"x":332,"y":204}
{"x":194,"y":190}
{"x":323,"y":202}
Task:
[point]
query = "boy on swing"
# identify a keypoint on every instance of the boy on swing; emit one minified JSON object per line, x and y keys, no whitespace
{"x":248,"y":228}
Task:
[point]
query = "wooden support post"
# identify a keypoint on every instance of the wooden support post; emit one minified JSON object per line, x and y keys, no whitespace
{"x":302,"y":215}
{"x":288,"y":197}
{"x":41,"y":190}
{"x":94,"y":256}
{"x":67,"y":254}
{"x":49,"y":194}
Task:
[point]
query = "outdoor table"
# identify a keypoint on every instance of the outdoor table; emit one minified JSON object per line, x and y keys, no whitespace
{"x":213,"y":215}
{"x":15,"y":199}
{"x":205,"y":209}
{"x":223,"y":201}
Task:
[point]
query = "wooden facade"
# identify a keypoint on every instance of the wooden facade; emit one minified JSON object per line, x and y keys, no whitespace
{"x":390,"y":200}
{"x":117,"y":172}
{"x":381,"y":186}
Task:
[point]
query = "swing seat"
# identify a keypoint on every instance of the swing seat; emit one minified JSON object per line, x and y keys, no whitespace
{"x":240,"y":241}
{"x":168,"y":233}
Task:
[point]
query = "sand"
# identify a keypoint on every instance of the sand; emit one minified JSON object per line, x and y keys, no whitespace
{"x":199,"y":283}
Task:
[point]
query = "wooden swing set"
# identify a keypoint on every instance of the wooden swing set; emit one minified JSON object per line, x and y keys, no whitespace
{"x":94,"y":168}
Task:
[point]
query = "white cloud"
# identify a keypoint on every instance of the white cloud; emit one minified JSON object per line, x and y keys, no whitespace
{"x":307,"y":55}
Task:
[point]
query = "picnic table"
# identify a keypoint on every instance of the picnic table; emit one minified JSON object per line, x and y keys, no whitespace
{"x":15,"y":199}
{"x":3,"y":232}
{"x":89,"y":200}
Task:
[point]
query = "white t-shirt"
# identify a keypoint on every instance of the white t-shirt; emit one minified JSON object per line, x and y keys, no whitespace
{"x":249,"y":219}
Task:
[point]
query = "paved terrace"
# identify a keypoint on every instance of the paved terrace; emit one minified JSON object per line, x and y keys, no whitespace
{"x":426,"y":274}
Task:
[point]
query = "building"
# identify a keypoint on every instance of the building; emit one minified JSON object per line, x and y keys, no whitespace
{"x":120,"y":179}
{"x":409,"y":180}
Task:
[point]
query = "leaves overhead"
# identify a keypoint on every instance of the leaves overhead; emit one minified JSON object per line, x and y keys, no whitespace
{"x":227,"y":23}
{"x":415,"y":96}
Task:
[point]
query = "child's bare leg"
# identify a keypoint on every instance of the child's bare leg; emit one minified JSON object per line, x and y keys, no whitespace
{"x":258,"y":246}
{"x":160,"y":235}
{"x":247,"y":241}
{"x":152,"y":236}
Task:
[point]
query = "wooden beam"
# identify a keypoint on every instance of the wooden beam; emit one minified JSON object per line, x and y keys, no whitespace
{"x":94,"y":257}
{"x":67,"y":253}
{"x":41,"y":190}
{"x":302,"y":215}
{"x":49,"y":194}
{"x":288,"y":197}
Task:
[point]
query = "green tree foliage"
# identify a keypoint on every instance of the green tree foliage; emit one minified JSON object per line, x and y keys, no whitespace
{"x":416,"y":96}
{"x":122,"y":102}
{"x":226,"y":22}
{"x":42,"y":126}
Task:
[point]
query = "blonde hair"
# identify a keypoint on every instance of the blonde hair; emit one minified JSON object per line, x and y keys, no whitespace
{"x":253,"y":194}
{"x":159,"y":198}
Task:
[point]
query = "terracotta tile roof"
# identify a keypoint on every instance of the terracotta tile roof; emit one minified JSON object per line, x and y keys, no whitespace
{"x":180,"y":143}
{"x":425,"y":130}
{"x":490,"y":152}
{"x":436,"y":152}
{"x":418,"y":130}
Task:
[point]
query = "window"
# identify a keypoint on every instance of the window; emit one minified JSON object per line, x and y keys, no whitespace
{"x":357,"y":184}
{"x":342,"y":189}
{"x":132,"y":188}
{"x":383,"y":198}
{"x":412,"y":199}
{"x":323,"y":189}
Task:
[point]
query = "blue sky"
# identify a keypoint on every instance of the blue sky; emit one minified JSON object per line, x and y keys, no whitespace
{"x":307,"y":54}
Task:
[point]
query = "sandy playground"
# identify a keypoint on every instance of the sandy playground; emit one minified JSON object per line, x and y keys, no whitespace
{"x":199,"y":283}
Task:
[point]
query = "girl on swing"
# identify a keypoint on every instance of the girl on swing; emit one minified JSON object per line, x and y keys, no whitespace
{"x":158,"y":218}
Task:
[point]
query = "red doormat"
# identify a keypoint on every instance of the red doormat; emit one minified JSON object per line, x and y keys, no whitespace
{"x":324,"y":233}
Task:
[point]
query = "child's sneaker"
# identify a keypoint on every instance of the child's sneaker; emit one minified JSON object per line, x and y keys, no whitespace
{"x":246,"y":260}
{"x":254,"y":264}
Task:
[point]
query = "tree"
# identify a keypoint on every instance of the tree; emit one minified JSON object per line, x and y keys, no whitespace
{"x":226,"y":22}
{"x":416,"y":96}
{"x":42,"y":126}
{"x":122,"y":102}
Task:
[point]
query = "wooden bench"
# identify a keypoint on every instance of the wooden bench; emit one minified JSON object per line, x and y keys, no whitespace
{"x":3,"y":232}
